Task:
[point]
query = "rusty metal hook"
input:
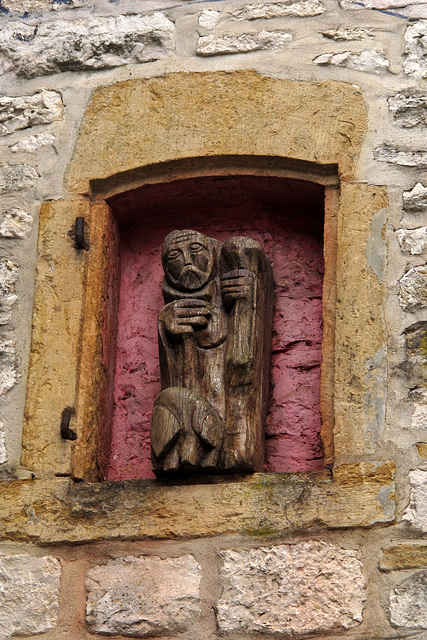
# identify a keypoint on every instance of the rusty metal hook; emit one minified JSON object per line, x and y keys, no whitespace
{"x":79,"y":233}
{"x":66,"y":432}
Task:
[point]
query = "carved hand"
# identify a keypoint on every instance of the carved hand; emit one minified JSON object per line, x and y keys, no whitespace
{"x":185,"y":316}
{"x":237,"y":285}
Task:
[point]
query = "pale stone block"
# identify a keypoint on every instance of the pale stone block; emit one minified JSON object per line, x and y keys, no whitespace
{"x":347,"y":33}
{"x":29,"y":595}
{"x":415,"y":200}
{"x":403,"y":556}
{"x":409,"y":109}
{"x":403,"y":157}
{"x":8,"y":366}
{"x":368,"y":61}
{"x":416,"y":511}
{"x":32,"y":143}
{"x":408,"y":602}
{"x":22,"y":112}
{"x":419,"y":417}
{"x":8,"y":277}
{"x":209,"y":18}
{"x":143,"y":596}
{"x":17,"y":177}
{"x":102,"y":43}
{"x":303,"y":588}
{"x":415,"y":64}
{"x":412,"y":241}
{"x":301,"y":8}
{"x":216,"y":45}
{"x":15,"y":223}
{"x":413,"y":289}
{"x":3,"y":450}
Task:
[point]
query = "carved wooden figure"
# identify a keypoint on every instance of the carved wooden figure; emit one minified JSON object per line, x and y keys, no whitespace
{"x":214,"y":344}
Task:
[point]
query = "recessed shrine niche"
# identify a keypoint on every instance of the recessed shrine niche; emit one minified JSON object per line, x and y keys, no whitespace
{"x":286,"y":217}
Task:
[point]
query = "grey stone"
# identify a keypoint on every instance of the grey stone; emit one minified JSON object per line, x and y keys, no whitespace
{"x":347,"y":33}
{"x":3,"y":450}
{"x":8,"y":366}
{"x":8,"y":278}
{"x":301,"y":8}
{"x":213,"y":45}
{"x":17,"y":177}
{"x":413,"y":289}
{"x":22,"y":112}
{"x":415,"y":63}
{"x":416,"y":511}
{"x":23,"y":7}
{"x":32,"y":143}
{"x":102,"y":43}
{"x":403,"y":157}
{"x":368,"y":61}
{"x":15,"y":223}
{"x":303,"y":588}
{"x":143,"y":596}
{"x":408,"y":602}
{"x":29,"y":595}
{"x":415,"y":200}
{"x":412,"y":241}
{"x":409,"y":109}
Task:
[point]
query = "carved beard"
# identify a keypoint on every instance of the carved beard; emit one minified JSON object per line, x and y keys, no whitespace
{"x":191,"y":279}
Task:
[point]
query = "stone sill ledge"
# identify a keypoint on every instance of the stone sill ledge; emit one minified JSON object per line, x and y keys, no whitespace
{"x":57,"y":510}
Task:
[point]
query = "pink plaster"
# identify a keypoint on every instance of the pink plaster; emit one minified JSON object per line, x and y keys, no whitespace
{"x":293,"y":426}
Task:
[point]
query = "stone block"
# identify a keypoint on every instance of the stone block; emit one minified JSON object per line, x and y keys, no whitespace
{"x":415,"y":63}
{"x":8,"y":278}
{"x":32,"y":143}
{"x":308,"y":587}
{"x":408,"y":602}
{"x":416,"y":362}
{"x":413,"y":289}
{"x":412,"y":241}
{"x":29,"y":595}
{"x":415,"y":200}
{"x":368,"y":61}
{"x":8,"y":366}
{"x":15,"y":223}
{"x":422,"y":449}
{"x":3,"y":450}
{"x":101,"y":43}
{"x":403,"y":556}
{"x":416,"y":511}
{"x":16,"y":177}
{"x":344,"y":34}
{"x":213,"y":45}
{"x":22,"y":112}
{"x":402,"y":157}
{"x":208,"y":19}
{"x":143,"y":596}
{"x":300,"y":8}
{"x":409,"y":109}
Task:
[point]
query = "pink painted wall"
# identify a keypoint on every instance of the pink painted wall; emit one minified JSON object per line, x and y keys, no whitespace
{"x":290,"y":236}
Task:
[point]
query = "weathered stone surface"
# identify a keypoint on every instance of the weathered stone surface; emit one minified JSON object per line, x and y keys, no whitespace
{"x":342,"y":33}
{"x":403,"y":556}
{"x":309,"y":587}
{"x":143,"y":596}
{"x":22,"y":112}
{"x":209,"y":18}
{"x":409,"y":109}
{"x":22,"y":7}
{"x":416,"y":512}
{"x":32,"y":143}
{"x":15,"y":223}
{"x":100,"y":43}
{"x":301,"y":8}
{"x":369,"y":61}
{"x":415,"y":63}
{"x":413,"y":289}
{"x":17,"y":177}
{"x":29,"y":595}
{"x":416,"y":363}
{"x":3,"y":450}
{"x":8,"y":366}
{"x":380,"y":4}
{"x":8,"y":277}
{"x":422,"y":449}
{"x":419,"y":416}
{"x":213,"y":45}
{"x":403,"y":157}
{"x":415,"y":200}
{"x":412,"y":241}
{"x":408,"y":602}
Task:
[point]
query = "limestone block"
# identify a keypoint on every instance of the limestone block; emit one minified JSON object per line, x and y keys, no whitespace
{"x":416,"y":512}
{"x":419,"y":417}
{"x":301,"y":8}
{"x":217,"y":45}
{"x":415,"y":63}
{"x":342,"y":33}
{"x":369,"y":61}
{"x":22,"y":112}
{"x":302,"y":588}
{"x":408,"y":602}
{"x":209,"y":18}
{"x":29,"y":595}
{"x":3,"y":450}
{"x":21,"y":7}
{"x":422,"y":449}
{"x":15,"y":223}
{"x":8,"y":366}
{"x":403,"y":556}
{"x":102,"y":43}
{"x":415,"y":200}
{"x":32,"y":143}
{"x":8,"y":278}
{"x":143,"y":596}
{"x":409,"y":109}
{"x":413,"y":289}
{"x":16,"y":177}
{"x":412,"y":241}
{"x":403,"y":157}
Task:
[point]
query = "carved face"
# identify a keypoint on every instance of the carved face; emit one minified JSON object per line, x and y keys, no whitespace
{"x":187,"y":258}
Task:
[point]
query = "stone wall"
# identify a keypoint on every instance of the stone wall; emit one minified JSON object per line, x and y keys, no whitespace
{"x":338,"y":552}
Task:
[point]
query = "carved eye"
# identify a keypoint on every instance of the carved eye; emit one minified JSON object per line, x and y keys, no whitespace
{"x":196,"y":247}
{"x":173,"y":254}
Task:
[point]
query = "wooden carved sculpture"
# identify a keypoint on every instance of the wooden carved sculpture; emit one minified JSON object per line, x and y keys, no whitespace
{"x":214,"y":344}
